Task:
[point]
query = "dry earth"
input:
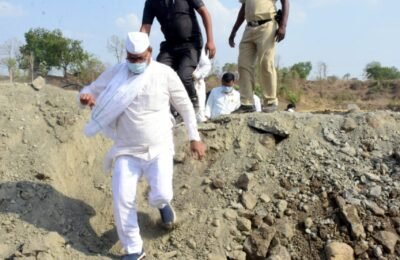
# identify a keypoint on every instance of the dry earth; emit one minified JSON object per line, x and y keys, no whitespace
{"x":273,"y":186}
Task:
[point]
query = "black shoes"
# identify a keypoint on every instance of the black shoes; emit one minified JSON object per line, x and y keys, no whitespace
{"x":167,"y":216}
{"x":269,"y":108}
{"x":136,"y":256}
{"x":245,"y":109}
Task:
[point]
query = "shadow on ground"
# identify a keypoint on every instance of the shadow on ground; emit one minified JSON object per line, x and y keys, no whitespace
{"x":46,"y":208}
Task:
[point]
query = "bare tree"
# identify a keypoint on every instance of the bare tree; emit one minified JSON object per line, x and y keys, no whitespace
{"x":322,"y":70}
{"x":278,"y":61}
{"x":346,"y":76}
{"x":116,"y":46}
{"x":9,"y":52}
{"x":31,"y":65}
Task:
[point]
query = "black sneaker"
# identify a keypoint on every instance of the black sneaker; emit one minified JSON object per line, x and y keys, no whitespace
{"x":167,"y":216}
{"x":136,"y":256}
{"x":245,"y":109}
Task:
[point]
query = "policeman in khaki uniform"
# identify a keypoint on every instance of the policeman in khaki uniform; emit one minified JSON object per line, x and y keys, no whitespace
{"x":265,"y":26}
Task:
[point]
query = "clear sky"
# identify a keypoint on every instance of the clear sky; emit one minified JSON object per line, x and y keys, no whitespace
{"x":344,"y":34}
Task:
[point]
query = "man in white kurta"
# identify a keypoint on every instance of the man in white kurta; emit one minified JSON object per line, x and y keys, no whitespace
{"x":201,"y":72}
{"x":224,"y":99}
{"x":142,"y":133}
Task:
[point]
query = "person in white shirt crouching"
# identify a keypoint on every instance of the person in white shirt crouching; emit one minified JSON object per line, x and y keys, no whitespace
{"x":131,"y":104}
{"x":224,"y":99}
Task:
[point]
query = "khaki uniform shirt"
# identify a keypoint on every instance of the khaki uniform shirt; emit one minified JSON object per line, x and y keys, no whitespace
{"x":257,"y":10}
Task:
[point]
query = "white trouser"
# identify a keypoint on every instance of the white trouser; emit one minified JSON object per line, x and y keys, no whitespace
{"x":200,"y":87}
{"x":127,"y":171}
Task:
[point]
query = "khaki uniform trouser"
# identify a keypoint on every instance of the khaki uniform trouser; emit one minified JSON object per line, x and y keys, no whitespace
{"x":258,"y":47}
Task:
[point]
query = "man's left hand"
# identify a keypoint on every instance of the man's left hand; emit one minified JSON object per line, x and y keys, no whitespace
{"x":198,"y":149}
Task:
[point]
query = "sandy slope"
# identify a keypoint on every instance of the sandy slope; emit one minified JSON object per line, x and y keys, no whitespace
{"x":281,"y":185}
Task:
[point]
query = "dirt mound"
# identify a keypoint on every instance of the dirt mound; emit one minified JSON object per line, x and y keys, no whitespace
{"x":276,"y":186}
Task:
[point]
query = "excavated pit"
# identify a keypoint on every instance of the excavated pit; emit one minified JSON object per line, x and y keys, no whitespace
{"x":281,"y":184}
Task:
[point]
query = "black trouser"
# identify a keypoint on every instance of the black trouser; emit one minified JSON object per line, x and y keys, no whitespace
{"x":182,"y":58}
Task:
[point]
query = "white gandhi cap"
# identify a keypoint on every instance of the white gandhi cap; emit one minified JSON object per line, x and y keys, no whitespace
{"x":137,"y":42}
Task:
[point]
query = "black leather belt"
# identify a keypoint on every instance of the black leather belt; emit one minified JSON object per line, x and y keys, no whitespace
{"x":258,"y":23}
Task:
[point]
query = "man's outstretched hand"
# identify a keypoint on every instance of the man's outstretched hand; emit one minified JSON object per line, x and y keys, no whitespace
{"x":198,"y":149}
{"x":87,"y":100}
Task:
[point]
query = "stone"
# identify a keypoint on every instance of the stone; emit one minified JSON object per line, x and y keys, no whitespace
{"x":265,"y":198}
{"x":244,"y":224}
{"x":257,"y":244}
{"x":349,"y":125}
{"x":44,"y":256}
{"x":268,"y":126}
{"x":387,"y":239}
{"x":230,"y":214}
{"x":375,"y":191}
{"x":374,"y":208}
{"x":372,"y":177}
{"x":207,"y":127}
{"x":179,"y":157}
{"x":350,"y":215}
{"x":245,"y":182}
{"x":396,"y":221}
{"x":216,"y":222}
{"x":38,"y":83}
{"x":279,"y":252}
{"x":370,"y":228}
{"x":308,"y":222}
{"x":285,"y":228}
{"x":253,"y":167}
{"x":6,"y":251}
{"x":339,"y":251}
{"x":378,"y":251}
{"x":25,"y":258}
{"x":353,"y":108}
{"x":350,"y":151}
{"x":248,"y":200}
{"x":54,"y":240}
{"x":170,"y":254}
{"x":237,"y":255}
{"x":268,"y":141}
{"x":217,"y":183}
{"x":282,"y":205}
{"x":269,"y":219}
{"x":361,"y":247}
{"x":33,"y":245}
{"x":216,"y":257}
{"x":374,"y":121}
{"x":257,"y":221}
{"x":330,"y":137}
{"x":191,"y":244}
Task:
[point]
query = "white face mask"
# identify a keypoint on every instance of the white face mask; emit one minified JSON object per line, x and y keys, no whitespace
{"x":137,"y":68}
{"x":226,"y":89}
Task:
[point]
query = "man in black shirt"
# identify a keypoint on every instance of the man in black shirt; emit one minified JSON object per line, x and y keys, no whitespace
{"x":183,"y":41}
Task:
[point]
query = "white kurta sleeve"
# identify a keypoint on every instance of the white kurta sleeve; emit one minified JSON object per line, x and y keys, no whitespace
{"x":203,"y":68}
{"x":97,"y":86}
{"x":181,"y":102}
